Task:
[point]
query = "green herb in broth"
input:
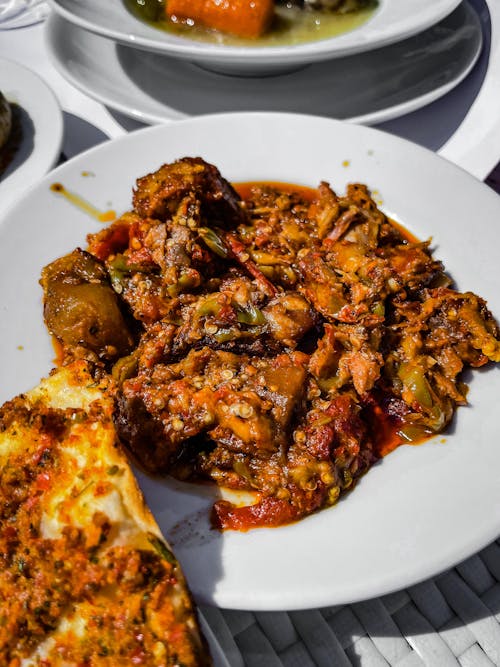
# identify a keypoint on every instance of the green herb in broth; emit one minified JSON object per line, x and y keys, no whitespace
{"x":291,"y":25}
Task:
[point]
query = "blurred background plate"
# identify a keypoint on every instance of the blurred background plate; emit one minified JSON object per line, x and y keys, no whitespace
{"x":392,"y":21}
{"x":366,"y":88}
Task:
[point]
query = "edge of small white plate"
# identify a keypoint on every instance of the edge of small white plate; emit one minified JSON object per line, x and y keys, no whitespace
{"x":29,"y":91}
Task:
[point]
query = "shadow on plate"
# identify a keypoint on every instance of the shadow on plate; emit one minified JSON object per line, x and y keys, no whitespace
{"x":79,"y":135}
{"x":182,"y":511}
{"x":128,"y":124}
{"x":356,"y":87}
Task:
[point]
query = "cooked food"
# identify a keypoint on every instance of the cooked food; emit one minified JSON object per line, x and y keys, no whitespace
{"x":86,"y":576}
{"x":245,"y":18}
{"x":284,"y":338}
{"x":340,"y":6}
{"x":290,"y":21}
{"x":5,"y":120}
{"x":11,"y":132}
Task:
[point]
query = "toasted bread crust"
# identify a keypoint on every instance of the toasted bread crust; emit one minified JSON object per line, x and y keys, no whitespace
{"x":86,"y":576}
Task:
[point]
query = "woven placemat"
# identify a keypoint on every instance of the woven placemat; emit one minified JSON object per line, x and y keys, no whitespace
{"x":452,"y":619}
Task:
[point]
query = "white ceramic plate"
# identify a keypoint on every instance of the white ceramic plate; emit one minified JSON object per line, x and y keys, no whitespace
{"x":394,"y":20}
{"x":41,"y":126}
{"x":366,"y":88}
{"x":419,"y":511}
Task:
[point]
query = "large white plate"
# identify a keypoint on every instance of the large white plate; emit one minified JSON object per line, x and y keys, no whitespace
{"x":421,"y":509}
{"x":41,"y":126}
{"x":394,"y":20}
{"x":366,"y":88}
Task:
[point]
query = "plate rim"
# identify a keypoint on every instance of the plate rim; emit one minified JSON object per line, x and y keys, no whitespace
{"x":312,"y":51}
{"x":52,"y":136}
{"x":380,"y":116}
{"x":377,"y":589}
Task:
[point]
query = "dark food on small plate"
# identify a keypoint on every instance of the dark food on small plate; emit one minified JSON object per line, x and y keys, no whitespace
{"x":5,"y":133}
{"x":5,"y":120}
{"x":269,"y":338}
{"x":296,"y":20}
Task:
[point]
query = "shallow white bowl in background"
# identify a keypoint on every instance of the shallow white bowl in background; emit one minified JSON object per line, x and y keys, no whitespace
{"x":41,"y":122}
{"x":393,"y":20}
{"x":367,"y":88}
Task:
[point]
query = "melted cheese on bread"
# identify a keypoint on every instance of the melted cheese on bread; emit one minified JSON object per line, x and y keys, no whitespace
{"x":86,"y":577}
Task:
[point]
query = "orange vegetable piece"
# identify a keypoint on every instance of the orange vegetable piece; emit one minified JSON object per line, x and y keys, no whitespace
{"x":244,"y":18}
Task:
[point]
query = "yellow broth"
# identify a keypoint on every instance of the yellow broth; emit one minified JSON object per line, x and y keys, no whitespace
{"x":291,"y":25}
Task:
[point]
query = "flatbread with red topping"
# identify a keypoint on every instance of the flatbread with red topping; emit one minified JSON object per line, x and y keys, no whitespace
{"x":86,"y":577}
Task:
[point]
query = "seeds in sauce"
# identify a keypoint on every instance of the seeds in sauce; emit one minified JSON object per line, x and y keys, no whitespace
{"x":291,"y":25}
{"x":271,"y":338}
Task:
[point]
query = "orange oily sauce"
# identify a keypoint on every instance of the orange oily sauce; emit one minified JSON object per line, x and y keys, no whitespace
{"x":82,"y":204}
{"x":386,"y":431}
